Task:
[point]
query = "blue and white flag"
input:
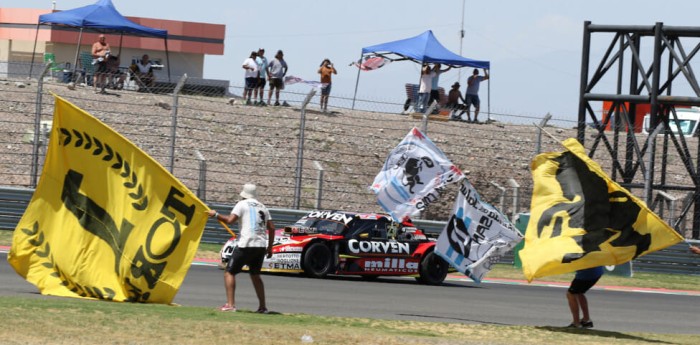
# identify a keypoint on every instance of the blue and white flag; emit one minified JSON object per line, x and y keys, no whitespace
{"x":476,"y":236}
{"x":414,"y":175}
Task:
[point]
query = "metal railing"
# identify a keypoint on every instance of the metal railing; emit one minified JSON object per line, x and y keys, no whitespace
{"x":675,"y":259}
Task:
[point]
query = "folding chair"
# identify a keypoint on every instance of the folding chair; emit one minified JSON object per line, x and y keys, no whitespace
{"x":50,"y":58}
{"x":87,"y":69}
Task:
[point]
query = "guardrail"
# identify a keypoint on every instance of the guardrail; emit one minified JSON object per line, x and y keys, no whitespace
{"x":675,"y":259}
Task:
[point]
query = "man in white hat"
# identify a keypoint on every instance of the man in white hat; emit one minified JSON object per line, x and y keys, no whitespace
{"x":256,"y":235}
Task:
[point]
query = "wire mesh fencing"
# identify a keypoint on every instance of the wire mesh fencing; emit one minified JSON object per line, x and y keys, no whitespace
{"x":205,"y":134}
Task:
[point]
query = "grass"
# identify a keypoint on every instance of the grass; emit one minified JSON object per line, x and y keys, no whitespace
{"x":65,"y":321}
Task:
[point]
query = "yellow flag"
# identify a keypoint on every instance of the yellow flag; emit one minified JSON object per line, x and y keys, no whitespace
{"x":106,"y":220}
{"x":580,"y":218}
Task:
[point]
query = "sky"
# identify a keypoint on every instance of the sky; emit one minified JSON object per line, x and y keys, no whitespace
{"x":534,"y":47}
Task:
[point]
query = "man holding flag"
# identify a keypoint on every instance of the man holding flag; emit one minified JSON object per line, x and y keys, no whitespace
{"x":576,"y":295}
{"x":257,"y":234}
{"x":582,"y":220}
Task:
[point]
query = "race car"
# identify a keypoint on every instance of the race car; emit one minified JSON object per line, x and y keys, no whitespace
{"x":346,"y":243}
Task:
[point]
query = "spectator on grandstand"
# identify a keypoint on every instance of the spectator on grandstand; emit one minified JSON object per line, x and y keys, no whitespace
{"x":142,"y":72}
{"x":434,"y":90}
{"x":261,"y":61}
{"x":100,"y":53}
{"x":453,"y":103}
{"x":251,"y":76}
{"x":472,"y":95}
{"x":276,"y":71}
{"x":326,"y":70}
{"x":426,"y":82}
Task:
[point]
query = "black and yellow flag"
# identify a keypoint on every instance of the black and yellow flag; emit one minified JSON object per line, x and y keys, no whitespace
{"x":580,"y":218}
{"x":106,"y":220}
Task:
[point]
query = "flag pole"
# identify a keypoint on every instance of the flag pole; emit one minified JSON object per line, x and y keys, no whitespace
{"x":227,"y":228}
{"x":545,"y":132}
{"x":461,"y":39}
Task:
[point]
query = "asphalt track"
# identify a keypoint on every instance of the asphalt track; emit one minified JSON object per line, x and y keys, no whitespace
{"x":459,"y":300}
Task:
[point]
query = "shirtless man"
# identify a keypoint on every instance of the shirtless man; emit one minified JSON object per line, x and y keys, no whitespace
{"x":100,"y":52}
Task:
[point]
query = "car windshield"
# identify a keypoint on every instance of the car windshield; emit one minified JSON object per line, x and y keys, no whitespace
{"x":322,"y":226}
{"x":685,"y":125}
{"x":372,"y":228}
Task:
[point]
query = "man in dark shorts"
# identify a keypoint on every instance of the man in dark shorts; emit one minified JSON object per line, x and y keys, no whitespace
{"x":100,"y":54}
{"x":261,"y":60}
{"x":251,"y":77}
{"x":276,"y":71}
{"x":576,"y":295}
{"x":472,"y":95}
{"x":256,"y":236}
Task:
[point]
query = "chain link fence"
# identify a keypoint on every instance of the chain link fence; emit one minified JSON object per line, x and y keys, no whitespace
{"x":202,"y":131}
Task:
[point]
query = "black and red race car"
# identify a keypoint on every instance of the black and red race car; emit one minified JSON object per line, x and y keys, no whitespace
{"x":345,"y":243}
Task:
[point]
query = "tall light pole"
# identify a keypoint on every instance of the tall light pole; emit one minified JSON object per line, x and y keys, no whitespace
{"x":461,"y":40}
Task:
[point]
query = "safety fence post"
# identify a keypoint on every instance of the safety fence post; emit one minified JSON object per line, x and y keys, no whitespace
{"x":543,"y":123}
{"x":202,"y":183}
{"x":300,"y":150}
{"x":516,"y":196}
{"x":319,"y":184}
{"x":173,"y":125}
{"x":37,"y":127}
{"x":502,"y":197}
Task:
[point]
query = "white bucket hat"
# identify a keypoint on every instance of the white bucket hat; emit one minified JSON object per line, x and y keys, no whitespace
{"x":249,"y":191}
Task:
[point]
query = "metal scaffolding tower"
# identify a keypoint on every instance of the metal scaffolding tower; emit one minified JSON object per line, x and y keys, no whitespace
{"x":646,"y":84}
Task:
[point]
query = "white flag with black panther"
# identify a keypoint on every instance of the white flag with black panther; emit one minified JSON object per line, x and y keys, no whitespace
{"x":414,"y":175}
{"x":476,"y":236}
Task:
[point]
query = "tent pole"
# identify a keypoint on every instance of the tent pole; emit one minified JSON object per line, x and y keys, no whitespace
{"x":77,"y":52}
{"x":420,"y":75}
{"x":36,"y":37}
{"x":357,"y":82}
{"x":167,"y":57}
{"x":121,"y":40}
{"x":461,"y":39}
{"x":488,"y":98}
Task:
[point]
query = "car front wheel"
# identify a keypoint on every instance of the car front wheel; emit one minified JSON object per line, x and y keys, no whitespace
{"x":433,"y":269}
{"x":318,"y":260}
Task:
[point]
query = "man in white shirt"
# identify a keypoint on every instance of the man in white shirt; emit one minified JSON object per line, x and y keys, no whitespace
{"x":251,"y":77}
{"x":142,"y":71}
{"x":256,"y":235}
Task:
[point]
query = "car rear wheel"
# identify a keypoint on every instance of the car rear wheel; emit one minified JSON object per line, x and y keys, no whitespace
{"x":433,"y":269}
{"x":318,"y":260}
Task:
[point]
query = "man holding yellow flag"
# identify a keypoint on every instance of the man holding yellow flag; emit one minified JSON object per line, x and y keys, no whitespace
{"x":576,"y":295}
{"x":253,"y":244}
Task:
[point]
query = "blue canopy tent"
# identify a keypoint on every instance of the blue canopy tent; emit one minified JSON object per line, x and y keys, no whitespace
{"x":424,"y":48}
{"x":102,"y":17}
